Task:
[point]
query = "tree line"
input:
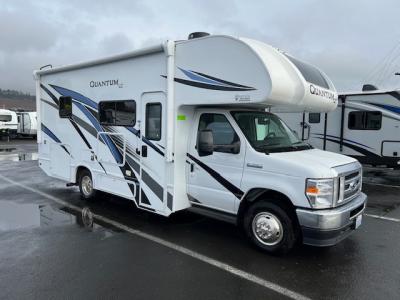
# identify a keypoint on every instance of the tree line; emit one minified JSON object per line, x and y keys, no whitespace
{"x":13,"y":94}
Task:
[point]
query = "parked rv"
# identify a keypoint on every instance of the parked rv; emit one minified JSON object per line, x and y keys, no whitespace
{"x":27,"y":124}
{"x":183,"y":125}
{"x":365,"y":125}
{"x":8,"y":123}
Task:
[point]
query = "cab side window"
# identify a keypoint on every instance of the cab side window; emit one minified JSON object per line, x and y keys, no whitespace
{"x":225,"y":138}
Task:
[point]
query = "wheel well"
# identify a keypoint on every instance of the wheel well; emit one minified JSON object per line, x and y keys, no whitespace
{"x":270,"y":196}
{"x":79,"y":170}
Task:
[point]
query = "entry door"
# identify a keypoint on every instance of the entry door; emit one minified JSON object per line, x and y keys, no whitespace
{"x":152,"y":150}
{"x":214,"y":180}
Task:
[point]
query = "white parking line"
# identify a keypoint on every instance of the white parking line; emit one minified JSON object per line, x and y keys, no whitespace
{"x":382,"y":218}
{"x":221,"y":265}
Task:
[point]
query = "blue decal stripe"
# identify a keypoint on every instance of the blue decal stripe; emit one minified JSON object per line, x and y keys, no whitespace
{"x":196,"y":77}
{"x":53,"y":136}
{"x":391,"y":108}
{"x":133,"y":130}
{"x":75,"y":95}
{"x":210,"y":82}
{"x":50,"y":134}
{"x":105,"y":138}
{"x":347,"y":140}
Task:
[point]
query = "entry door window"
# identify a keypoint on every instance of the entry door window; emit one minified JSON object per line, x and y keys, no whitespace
{"x":225,"y":137}
{"x":153,"y":121}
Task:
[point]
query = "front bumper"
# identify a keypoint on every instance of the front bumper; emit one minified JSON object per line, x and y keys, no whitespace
{"x":329,"y":226}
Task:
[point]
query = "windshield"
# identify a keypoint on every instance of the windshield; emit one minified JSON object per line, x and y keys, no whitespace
{"x":5,"y":118}
{"x":267,"y":133}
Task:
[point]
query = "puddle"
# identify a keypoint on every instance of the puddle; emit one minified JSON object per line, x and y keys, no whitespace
{"x":14,"y":216}
{"x":19,"y":156}
{"x":7,"y":149}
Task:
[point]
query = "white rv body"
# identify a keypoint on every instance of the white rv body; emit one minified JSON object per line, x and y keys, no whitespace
{"x":365,"y":125}
{"x":8,"y":122}
{"x":155,"y":161}
{"x":27,"y":123}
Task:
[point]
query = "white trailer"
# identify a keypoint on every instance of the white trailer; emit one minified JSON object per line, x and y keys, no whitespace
{"x":183,"y":125}
{"x":8,"y":123}
{"x":365,"y":125}
{"x":27,"y":123}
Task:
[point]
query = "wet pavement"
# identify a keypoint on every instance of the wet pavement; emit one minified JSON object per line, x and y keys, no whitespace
{"x":55,"y":245}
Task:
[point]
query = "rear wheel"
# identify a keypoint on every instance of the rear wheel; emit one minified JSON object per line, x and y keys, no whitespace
{"x":270,"y":228}
{"x":86,"y":185}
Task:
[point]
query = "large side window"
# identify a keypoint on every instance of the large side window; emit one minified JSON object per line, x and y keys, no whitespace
{"x":314,"y":118}
{"x":365,"y":120}
{"x":225,"y":137}
{"x":117,"y":113}
{"x":153,"y":121}
{"x":65,"y":110}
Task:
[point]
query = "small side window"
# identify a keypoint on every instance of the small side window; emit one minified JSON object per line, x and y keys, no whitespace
{"x":365,"y":120}
{"x":65,"y":107}
{"x":153,"y":121}
{"x":314,"y":118}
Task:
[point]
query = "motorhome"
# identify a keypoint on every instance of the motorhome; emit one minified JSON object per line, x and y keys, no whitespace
{"x":27,"y":124}
{"x":183,"y":125}
{"x":365,"y":125}
{"x":8,"y":123}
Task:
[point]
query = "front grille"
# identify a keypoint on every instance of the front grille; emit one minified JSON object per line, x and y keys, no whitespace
{"x":349,"y":186}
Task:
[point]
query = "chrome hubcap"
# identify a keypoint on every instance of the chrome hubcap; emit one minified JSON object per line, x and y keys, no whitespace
{"x":87,"y":186}
{"x":267,"y":228}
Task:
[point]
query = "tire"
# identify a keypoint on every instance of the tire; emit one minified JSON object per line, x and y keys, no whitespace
{"x":86,"y":185}
{"x":281,"y":235}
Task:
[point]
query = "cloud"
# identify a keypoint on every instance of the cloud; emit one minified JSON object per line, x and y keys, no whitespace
{"x":346,"y":39}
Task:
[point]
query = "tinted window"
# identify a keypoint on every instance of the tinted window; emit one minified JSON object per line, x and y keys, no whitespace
{"x":310,"y":73}
{"x":153,"y":121}
{"x":65,"y":107}
{"x":5,"y":118}
{"x":223,"y":134}
{"x":365,"y":120}
{"x":117,"y":113}
{"x":314,"y":117}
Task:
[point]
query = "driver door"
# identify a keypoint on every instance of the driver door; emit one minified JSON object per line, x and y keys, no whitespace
{"x":214,"y":180}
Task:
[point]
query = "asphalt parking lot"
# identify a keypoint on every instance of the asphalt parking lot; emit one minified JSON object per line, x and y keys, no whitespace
{"x":54,"y":245}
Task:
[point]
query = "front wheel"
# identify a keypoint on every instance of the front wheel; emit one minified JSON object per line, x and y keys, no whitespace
{"x":86,"y":185}
{"x":270,"y":228}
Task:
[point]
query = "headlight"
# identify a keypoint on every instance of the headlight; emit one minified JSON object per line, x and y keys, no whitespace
{"x":320,"y":192}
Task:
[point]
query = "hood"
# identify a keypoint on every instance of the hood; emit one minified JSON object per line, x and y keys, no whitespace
{"x":313,"y":163}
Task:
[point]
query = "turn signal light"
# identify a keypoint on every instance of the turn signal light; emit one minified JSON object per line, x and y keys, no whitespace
{"x":312,"y":190}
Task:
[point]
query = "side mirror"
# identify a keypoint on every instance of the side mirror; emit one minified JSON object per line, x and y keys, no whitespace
{"x":205,"y":142}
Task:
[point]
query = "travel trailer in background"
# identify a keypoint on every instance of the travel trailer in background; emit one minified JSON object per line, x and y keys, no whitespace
{"x":27,"y":124}
{"x":183,"y":125}
{"x":365,"y":125}
{"x":8,"y":123}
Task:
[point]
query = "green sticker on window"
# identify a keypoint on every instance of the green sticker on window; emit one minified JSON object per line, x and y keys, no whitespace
{"x":181,"y":118}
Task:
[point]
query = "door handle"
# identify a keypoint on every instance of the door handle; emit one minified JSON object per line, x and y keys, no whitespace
{"x":191,"y":167}
{"x":144,"y":151}
{"x":256,"y":166}
{"x":137,"y":151}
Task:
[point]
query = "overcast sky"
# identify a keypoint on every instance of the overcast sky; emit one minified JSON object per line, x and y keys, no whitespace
{"x":352,"y":41}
